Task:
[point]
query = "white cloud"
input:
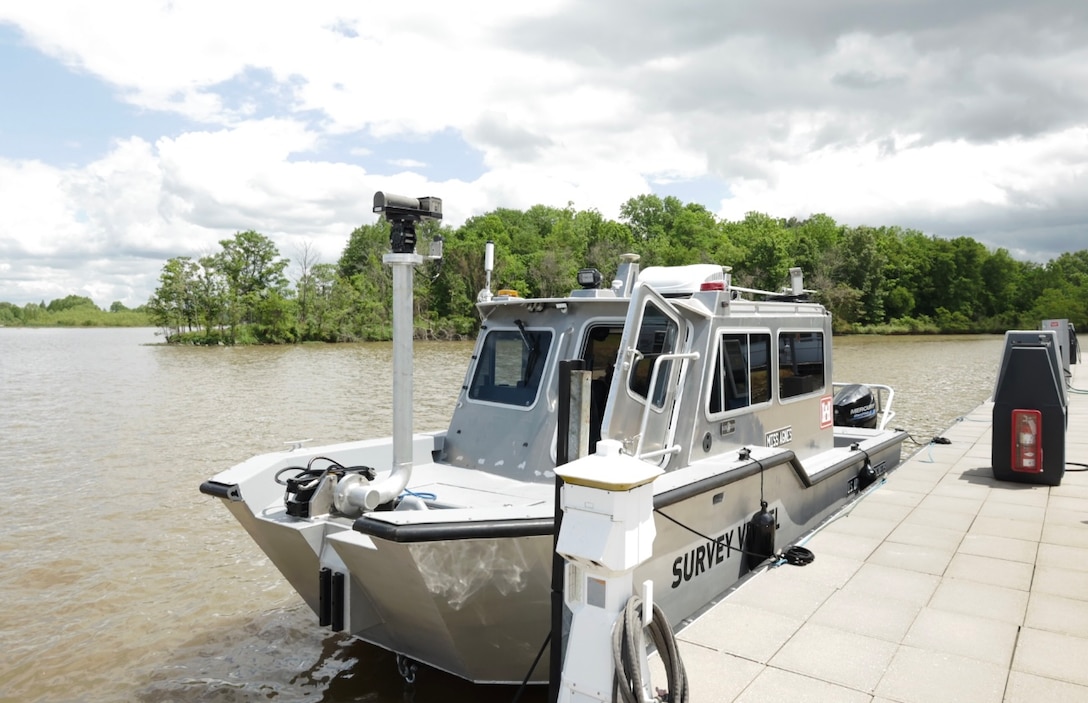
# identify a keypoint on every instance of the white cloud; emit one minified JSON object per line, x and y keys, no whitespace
{"x":35,"y":216}
{"x":962,"y":118}
{"x":408,"y":163}
{"x":868,"y":185}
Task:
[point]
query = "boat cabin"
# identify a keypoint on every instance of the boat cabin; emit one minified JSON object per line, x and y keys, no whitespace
{"x":684,"y":367}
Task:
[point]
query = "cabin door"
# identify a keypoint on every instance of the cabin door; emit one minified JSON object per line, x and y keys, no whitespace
{"x":646,"y":387}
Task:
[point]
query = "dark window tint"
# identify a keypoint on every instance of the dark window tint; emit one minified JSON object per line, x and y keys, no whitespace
{"x":510,"y":366}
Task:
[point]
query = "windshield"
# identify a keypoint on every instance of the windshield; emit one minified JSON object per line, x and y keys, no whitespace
{"x":510,"y":366}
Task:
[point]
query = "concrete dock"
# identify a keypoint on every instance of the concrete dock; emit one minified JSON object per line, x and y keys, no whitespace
{"x":941,"y":585}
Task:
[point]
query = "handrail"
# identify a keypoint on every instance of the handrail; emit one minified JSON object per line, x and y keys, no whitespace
{"x":683,"y":356}
{"x":549,"y":399}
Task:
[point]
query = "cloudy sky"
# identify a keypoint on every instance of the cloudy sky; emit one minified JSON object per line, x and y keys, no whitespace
{"x":132,"y":131}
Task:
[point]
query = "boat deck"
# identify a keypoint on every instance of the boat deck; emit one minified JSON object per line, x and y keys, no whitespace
{"x":941,"y":585}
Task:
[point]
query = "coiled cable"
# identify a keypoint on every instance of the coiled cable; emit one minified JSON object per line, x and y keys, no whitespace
{"x":627,"y":655}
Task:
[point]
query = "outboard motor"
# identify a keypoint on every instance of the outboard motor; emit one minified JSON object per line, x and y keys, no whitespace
{"x":855,"y":406}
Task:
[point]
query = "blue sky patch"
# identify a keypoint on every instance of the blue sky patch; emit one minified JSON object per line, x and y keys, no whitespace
{"x":256,"y":93}
{"x":708,"y":191}
{"x":62,"y":116}
{"x":441,"y":156}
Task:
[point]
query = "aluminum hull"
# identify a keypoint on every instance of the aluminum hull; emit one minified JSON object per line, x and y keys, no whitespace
{"x":468,"y":591}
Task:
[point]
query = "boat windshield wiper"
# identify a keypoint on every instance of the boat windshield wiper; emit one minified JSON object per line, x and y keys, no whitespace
{"x":530,"y":346}
{"x":533,"y":346}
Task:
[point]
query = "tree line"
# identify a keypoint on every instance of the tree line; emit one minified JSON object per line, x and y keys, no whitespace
{"x":873,"y":279}
{"x":72,"y":311}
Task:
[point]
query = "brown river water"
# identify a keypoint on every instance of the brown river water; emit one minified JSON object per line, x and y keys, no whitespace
{"x":121,"y":582}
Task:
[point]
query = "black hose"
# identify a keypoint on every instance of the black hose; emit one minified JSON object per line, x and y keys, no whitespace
{"x":627,"y":653}
{"x":798,"y":556}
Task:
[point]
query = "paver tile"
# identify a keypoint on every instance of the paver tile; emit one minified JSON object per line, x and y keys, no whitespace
{"x":861,"y":526}
{"x":777,"y":685}
{"x":1028,"y":688}
{"x":888,"y":494}
{"x":999,"y":572}
{"x":999,"y":527}
{"x":775,"y":591}
{"x":927,"y":536}
{"x":742,"y":631}
{"x":968,"y":636}
{"x":871,"y":615}
{"x":730,"y":675}
{"x":831,"y":655}
{"x":984,"y":600}
{"x":1020,"y":550}
{"x":1063,"y":557}
{"x":1071,"y":583}
{"x":843,"y":545}
{"x":1067,"y":535}
{"x":920,"y":676}
{"x":1065,"y":516}
{"x":928,"y":560}
{"x":905,"y":484}
{"x":953,"y":487}
{"x":1012,"y":511}
{"x":881,"y":511}
{"x":957,"y":504}
{"x":877,"y":580}
{"x":1019,"y":494}
{"x":931,"y":517}
{"x":1066,"y":616}
{"x":827,"y":569}
{"x":1052,"y":655}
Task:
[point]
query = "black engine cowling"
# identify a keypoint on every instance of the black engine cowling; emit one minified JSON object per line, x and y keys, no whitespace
{"x":855,"y":406}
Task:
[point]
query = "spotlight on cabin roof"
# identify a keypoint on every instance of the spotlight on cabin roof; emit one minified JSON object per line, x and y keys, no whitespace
{"x":589,"y":278}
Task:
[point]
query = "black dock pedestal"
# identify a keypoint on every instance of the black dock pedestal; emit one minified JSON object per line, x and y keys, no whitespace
{"x":1030,"y":416}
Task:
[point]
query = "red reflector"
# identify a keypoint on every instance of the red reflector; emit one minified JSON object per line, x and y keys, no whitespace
{"x":712,"y":285}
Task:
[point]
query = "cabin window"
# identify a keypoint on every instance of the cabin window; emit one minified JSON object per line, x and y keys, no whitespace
{"x":510,"y":366}
{"x":656,"y":336}
{"x":800,"y":363}
{"x":599,"y":353}
{"x":742,"y":372}
{"x":601,"y":349}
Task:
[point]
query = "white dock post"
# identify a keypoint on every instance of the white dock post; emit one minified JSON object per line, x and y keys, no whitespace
{"x":608,"y":530}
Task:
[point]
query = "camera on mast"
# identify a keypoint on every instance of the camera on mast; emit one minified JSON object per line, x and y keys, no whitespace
{"x":403,"y":213}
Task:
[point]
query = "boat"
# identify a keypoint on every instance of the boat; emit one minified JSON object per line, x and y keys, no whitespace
{"x":439,"y":545}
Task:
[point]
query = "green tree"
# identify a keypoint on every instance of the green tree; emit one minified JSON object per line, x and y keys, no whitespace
{"x":809,"y":240}
{"x":253,"y":271}
{"x":764,"y":260}
{"x":1001,"y":284}
{"x":173,"y":304}
{"x":10,"y":314}
{"x":70,"y":301}
{"x":210,"y":291}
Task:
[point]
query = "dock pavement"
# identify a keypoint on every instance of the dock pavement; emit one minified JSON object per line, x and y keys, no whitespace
{"x":943,"y":584}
